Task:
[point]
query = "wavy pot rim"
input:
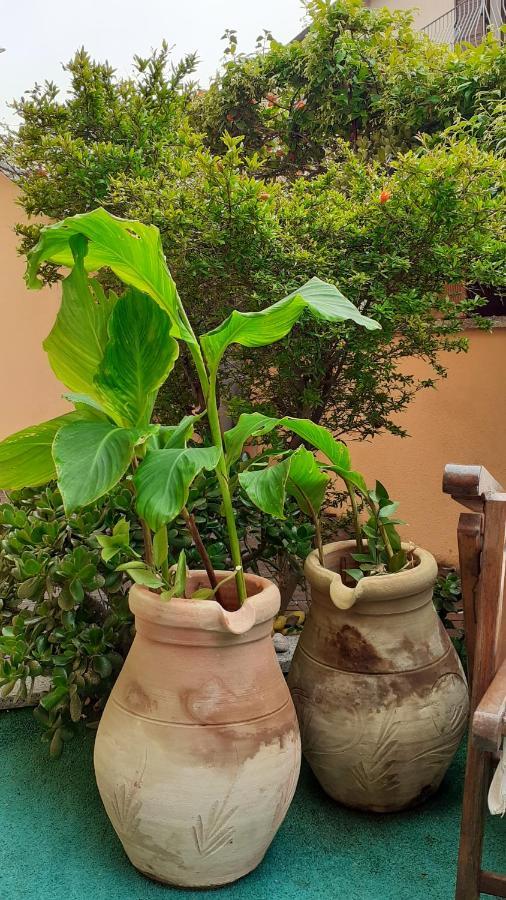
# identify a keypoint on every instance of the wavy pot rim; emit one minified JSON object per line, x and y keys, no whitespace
{"x":261,"y":604}
{"x":372,"y":588}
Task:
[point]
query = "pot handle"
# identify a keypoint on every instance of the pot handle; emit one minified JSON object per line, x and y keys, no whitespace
{"x":240,"y":620}
{"x":342,"y":596}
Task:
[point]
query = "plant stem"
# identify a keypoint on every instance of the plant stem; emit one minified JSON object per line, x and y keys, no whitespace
{"x":146,"y":531}
{"x":222,"y":474}
{"x":208,"y":386}
{"x":199,"y":544}
{"x":356,"y":518}
{"x":148,"y":543}
{"x":318,"y":539}
{"x":165,"y":566}
{"x":381,"y":528}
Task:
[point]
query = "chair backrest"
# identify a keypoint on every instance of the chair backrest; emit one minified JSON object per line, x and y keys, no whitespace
{"x":481,"y":539}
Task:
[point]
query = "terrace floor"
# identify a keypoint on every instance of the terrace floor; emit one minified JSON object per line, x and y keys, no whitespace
{"x":57,"y":843}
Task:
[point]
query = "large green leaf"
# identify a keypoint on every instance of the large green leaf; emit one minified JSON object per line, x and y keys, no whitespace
{"x":170,"y":437}
{"x":249,"y":425}
{"x":298,"y":475}
{"x":255,"y":424}
{"x":255,"y":329}
{"x":76,"y":343}
{"x":306,"y":482}
{"x":163,"y":481}
{"x":138,"y":357}
{"x":335,"y":451}
{"x":87,"y":407}
{"x":25,"y":457}
{"x":133,"y":251}
{"x":90,"y":459}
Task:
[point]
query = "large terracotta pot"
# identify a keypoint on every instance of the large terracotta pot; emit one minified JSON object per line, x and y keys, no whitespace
{"x":379,"y":690}
{"x":198,"y":753}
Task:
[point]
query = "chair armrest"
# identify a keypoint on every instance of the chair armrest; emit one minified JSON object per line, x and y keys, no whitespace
{"x":489,"y":720}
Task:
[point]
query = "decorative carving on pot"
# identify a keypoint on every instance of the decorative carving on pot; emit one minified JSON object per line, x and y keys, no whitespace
{"x":198,"y":752}
{"x":379,"y":690}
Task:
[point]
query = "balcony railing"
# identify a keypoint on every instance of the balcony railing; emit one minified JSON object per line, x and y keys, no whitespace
{"x":467,"y":21}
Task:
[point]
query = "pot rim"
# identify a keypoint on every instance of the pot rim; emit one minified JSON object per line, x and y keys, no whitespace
{"x":373,"y":588}
{"x":261,"y":605}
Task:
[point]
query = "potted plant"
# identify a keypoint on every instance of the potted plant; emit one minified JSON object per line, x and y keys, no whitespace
{"x":197,"y":753}
{"x":379,"y":689}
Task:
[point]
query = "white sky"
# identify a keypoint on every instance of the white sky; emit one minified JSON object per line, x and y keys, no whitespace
{"x":40,"y":35}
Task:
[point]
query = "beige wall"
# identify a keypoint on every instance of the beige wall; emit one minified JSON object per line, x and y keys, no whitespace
{"x":462,"y":421}
{"x":30,"y":392}
{"x":425,"y":10}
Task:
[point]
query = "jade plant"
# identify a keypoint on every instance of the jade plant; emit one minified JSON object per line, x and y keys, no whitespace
{"x":113,"y":353}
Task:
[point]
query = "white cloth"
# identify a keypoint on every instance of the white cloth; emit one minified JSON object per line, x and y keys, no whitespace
{"x":497,"y":792}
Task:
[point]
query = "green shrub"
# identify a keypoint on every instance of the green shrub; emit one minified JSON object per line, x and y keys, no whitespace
{"x":448,"y":600}
{"x":236,"y":235}
{"x":361,"y":75}
{"x":64,"y":611}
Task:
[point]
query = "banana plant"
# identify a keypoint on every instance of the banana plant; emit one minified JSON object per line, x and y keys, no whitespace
{"x":378,"y":545}
{"x":113,"y":353}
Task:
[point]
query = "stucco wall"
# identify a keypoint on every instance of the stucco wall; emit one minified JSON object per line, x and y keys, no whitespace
{"x":462,"y":421}
{"x":425,"y":10}
{"x":30,"y":392}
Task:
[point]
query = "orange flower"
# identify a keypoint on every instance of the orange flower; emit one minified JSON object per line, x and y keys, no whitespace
{"x":385,"y":196}
{"x":263,"y":196}
{"x":300,"y":104}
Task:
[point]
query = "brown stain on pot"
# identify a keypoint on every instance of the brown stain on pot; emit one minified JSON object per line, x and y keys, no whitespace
{"x":417,"y":653}
{"x":137,"y":700}
{"x":355,"y":652}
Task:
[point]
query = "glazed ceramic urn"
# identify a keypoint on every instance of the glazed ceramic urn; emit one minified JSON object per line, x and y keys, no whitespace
{"x":198,"y":752}
{"x":380,"y":694}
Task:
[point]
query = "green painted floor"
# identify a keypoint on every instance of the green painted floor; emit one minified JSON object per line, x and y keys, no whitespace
{"x":56,"y":842}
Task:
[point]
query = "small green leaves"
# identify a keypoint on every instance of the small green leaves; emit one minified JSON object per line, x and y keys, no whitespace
{"x":297,"y":475}
{"x":102,"y":666}
{"x":90,"y":459}
{"x":397,"y":561}
{"x":76,"y":707}
{"x":381,"y":549}
{"x":54,"y":697}
{"x":208,"y":593}
{"x":142,"y":574}
{"x":178,"y":579}
{"x":256,"y":329}
{"x":119,"y":540}
{"x":137,"y":359}
{"x":163,"y":481}
{"x":356,"y":574}
{"x":25,"y":457}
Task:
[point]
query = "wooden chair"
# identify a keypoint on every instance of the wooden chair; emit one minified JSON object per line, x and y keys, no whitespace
{"x":481,"y":542}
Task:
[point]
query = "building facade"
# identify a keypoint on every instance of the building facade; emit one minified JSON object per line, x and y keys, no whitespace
{"x":451,"y":21}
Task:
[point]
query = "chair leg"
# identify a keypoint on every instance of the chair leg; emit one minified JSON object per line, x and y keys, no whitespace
{"x":473,"y":823}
